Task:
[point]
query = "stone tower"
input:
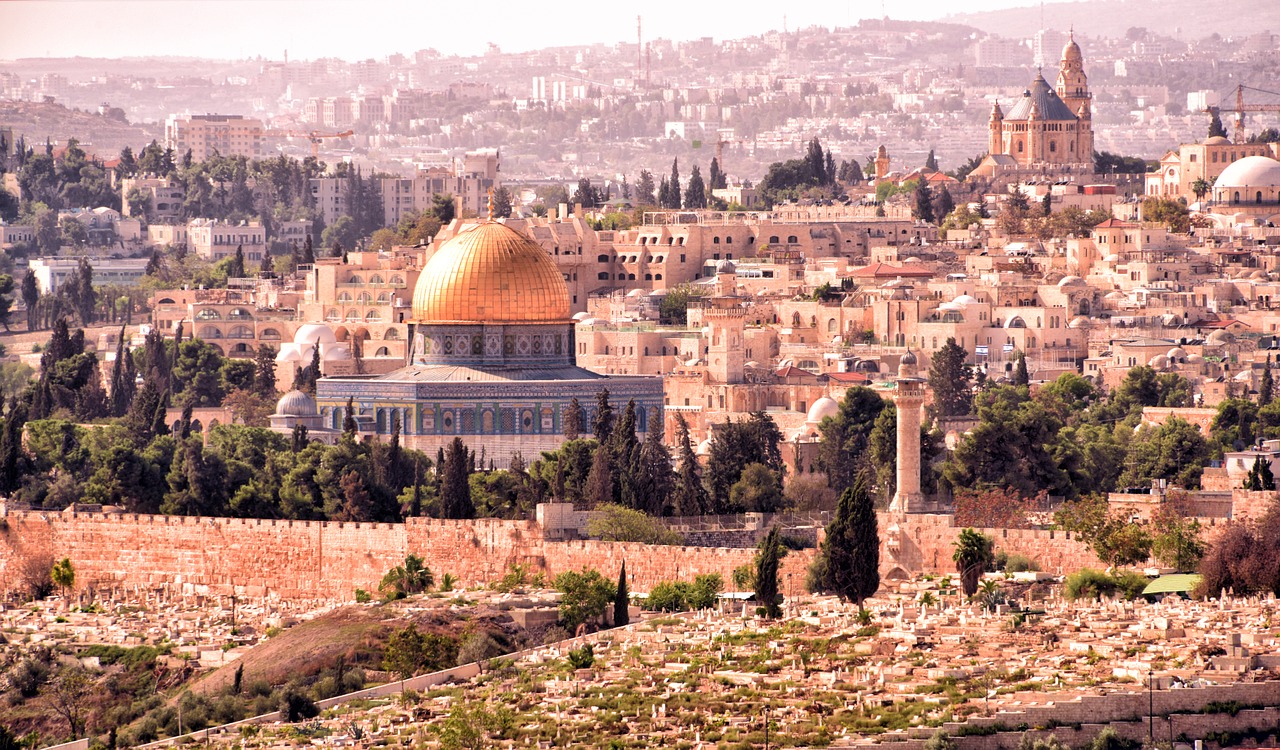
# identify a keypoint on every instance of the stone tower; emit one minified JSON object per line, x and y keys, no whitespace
{"x":882,"y":162}
{"x":726,"y":350}
{"x":995,"y":128}
{"x":909,"y":401}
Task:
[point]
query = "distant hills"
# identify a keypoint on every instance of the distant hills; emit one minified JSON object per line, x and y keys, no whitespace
{"x":1182,"y":19}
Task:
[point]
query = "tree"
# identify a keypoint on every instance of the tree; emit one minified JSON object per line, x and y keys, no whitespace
{"x":690,"y":497}
{"x":1201,"y":187}
{"x":931,"y":161}
{"x":1020,"y":375}
{"x":943,"y":204}
{"x":1216,"y":130}
{"x":602,"y":426}
{"x":1260,"y":478}
{"x":501,"y":202}
{"x":645,"y":195}
{"x":1176,"y":541}
{"x":716,"y":179}
{"x":599,"y":487}
{"x":410,"y":577}
{"x":922,"y":202}
{"x":768,"y":560}
{"x":30,"y":299}
{"x":63,"y":575}
{"x":455,"y":489}
{"x":695,"y":193}
{"x":585,"y":596}
{"x":846,"y":436}
{"x":573,"y":420}
{"x":1267,"y":386}
{"x":972,"y":556}
{"x":621,"y":601}
{"x":409,"y":652}
{"x":758,"y":491}
{"x":68,"y":696}
{"x":673,"y":186}
{"x":236,"y":269}
{"x":951,"y":380}
{"x":849,"y":560}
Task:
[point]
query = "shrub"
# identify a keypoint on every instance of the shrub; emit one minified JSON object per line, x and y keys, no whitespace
{"x":1016,"y":563}
{"x":1088,"y":584}
{"x":362,"y":596}
{"x":582,"y":658}
{"x":585,"y":596}
{"x":668,"y":596}
{"x":1130,"y":583}
{"x":296,"y":705}
{"x":615,"y":523}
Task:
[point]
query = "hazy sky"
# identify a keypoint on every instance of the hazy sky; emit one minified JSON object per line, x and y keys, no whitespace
{"x":359,"y":29}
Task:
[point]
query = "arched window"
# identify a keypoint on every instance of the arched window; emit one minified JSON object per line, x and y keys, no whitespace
{"x":239,"y":313}
{"x":208,"y":314}
{"x":657,"y":277}
{"x":728,"y":240}
{"x":715,"y":240}
{"x":392,"y":334}
{"x":240,"y":332}
{"x":791,"y":239}
{"x":648,"y":277}
{"x":373,"y":316}
{"x":1053,"y":147}
{"x":269,"y":334}
{"x":384,"y":299}
{"x":602,"y":258}
{"x":344,"y":298}
{"x":365,"y":298}
{"x":795,"y":319}
{"x":603,"y":276}
{"x":831,"y":325}
{"x":1259,"y":198}
{"x":209,"y":332}
{"x":397,"y":280}
{"x":773,"y":240}
{"x":631,"y":277}
{"x":375,"y":279}
{"x":331,"y":315}
{"x":353,"y":316}
{"x":355,"y":279}
{"x":382,"y":352}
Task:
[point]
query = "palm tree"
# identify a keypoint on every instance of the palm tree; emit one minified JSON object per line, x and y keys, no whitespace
{"x":972,"y":556}
{"x":410,"y":578}
{"x":1201,"y":188}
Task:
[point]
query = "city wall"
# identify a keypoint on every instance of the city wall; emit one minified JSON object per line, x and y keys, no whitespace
{"x":309,"y":560}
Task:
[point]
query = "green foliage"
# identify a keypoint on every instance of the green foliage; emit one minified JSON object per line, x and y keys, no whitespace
{"x":849,"y":561}
{"x":951,"y":380}
{"x":409,"y":652}
{"x":973,"y":555}
{"x":582,"y":657}
{"x":362,"y":596}
{"x":679,"y":596}
{"x":940,"y":740}
{"x":736,"y":446}
{"x":584,"y":596}
{"x":615,"y":523}
{"x":846,"y":436}
{"x":768,"y":560}
{"x":410,"y":577}
{"x":63,"y":574}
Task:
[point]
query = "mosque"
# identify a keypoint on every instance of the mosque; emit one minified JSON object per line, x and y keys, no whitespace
{"x":491,"y":359}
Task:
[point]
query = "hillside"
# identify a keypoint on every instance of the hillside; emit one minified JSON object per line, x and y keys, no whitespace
{"x":1182,"y":19}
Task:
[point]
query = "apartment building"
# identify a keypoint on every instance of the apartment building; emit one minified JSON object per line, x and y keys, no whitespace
{"x":205,"y":135}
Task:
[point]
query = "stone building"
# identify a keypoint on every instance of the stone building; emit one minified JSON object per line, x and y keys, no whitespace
{"x":1048,"y":125}
{"x":491,"y":356}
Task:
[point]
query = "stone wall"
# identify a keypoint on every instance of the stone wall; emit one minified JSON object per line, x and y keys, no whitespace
{"x":305,"y":560}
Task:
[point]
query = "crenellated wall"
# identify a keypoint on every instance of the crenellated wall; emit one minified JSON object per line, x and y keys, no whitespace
{"x":329,"y":560}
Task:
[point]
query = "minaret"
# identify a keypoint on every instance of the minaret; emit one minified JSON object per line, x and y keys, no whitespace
{"x":882,"y":162}
{"x":909,"y":401}
{"x":995,"y":144}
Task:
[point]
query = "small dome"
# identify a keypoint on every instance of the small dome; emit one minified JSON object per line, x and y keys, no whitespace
{"x":1158,"y":362}
{"x":1219,"y":337}
{"x":1250,"y":172}
{"x":581,"y":315}
{"x":1071,"y":52}
{"x":1079,"y":321}
{"x":1216,"y":140}
{"x":726,"y":266}
{"x":1070,"y":281}
{"x":312,"y":333}
{"x":1114,"y":296}
{"x":704,"y":448}
{"x":1194,"y":359}
{"x":295,"y":403}
{"x":823,"y":408}
{"x":635,"y":293}
{"x":289,"y":353}
{"x":908,"y":359}
{"x":1176,"y":353}
{"x":965,"y":300}
{"x":1113,"y":258}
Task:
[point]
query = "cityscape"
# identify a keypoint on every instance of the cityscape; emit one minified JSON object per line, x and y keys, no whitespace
{"x":377,"y":376}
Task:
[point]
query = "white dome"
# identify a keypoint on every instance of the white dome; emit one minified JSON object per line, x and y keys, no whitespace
{"x":964,"y":300}
{"x":1079,"y":321}
{"x":590,"y":322}
{"x":1251,"y":171}
{"x":581,"y":315}
{"x":704,"y":448}
{"x":1114,"y":296}
{"x":1194,"y":359}
{"x":1177,"y":353}
{"x":823,"y":408}
{"x":950,"y":307}
{"x":1219,"y":337}
{"x":1070,"y":281}
{"x":636,"y":293}
{"x":312,"y":333}
{"x":334,"y":351}
{"x":289,"y":353}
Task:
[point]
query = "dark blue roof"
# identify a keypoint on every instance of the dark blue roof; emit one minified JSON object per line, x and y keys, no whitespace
{"x":1051,"y":107}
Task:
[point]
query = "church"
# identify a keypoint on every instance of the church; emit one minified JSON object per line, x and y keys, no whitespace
{"x":491,"y":358}
{"x":1047,"y":126}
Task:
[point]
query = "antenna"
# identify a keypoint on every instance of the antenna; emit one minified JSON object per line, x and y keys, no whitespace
{"x":639,"y":53}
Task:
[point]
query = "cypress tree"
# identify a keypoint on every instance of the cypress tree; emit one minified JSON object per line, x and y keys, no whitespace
{"x":599,"y":489}
{"x":624,"y":449}
{"x":768,"y":560}
{"x":850,"y":557}
{"x":603,"y":425}
{"x":1020,"y":374}
{"x":652,"y":479}
{"x":349,"y":424}
{"x":1266,"y":388}
{"x":455,"y":488}
{"x":298,"y":440}
{"x":691,"y":497}
{"x":236,"y":269}
{"x":11,"y":448}
{"x":573,"y":420}
{"x":621,"y":601}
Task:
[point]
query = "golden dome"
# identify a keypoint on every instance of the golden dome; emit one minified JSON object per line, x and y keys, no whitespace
{"x":490,"y":273}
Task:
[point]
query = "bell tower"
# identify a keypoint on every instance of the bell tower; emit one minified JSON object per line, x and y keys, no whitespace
{"x":1073,"y":84}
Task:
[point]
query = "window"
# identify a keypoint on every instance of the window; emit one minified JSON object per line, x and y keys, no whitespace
{"x":392,"y":334}
{"x":791,"y":239}
{"x":375,"y":279}
{"x":208,"y":315}
{"x":344,"y":298}
{"x":355,"y":279}
{"x":269,"y":334}
{"x":602,"y":276}
{"x":715,"y":240}
{"x":373,"y":316}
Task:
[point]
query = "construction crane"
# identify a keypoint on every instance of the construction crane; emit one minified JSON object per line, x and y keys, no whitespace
{"x":1241,"y":108}
{"x":315,"y":136}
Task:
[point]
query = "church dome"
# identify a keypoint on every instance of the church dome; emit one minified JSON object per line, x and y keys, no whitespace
{"x":1071,"y":52}
{"x":821,"y":409}
{"x":295,"y":403}
{"x":1251,"y":171}
{"x":491,"y":274}
{"x":1043,"y":100}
